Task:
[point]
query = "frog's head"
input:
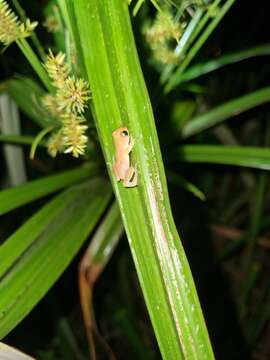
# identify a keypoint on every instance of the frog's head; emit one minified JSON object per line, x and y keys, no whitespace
{"x":121,"y":136}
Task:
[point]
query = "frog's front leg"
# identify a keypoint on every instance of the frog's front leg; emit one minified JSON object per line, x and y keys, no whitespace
{"x":131,"y":177}
{"x":131,"y":144}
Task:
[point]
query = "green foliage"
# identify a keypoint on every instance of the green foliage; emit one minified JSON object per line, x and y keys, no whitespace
{"x":93,"y":43}
{"x":58,"y":229}
{"x":13,"y":198}
{"x":145,"y":209}
{"x":231,"y":155}
{"x":225,"y":111}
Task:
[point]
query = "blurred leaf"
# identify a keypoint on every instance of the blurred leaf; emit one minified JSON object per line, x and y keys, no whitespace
{"x":38,"y":139}
{"x":12,"y":198}
{"x":233,"y":246}
{"x":120,"y":99}
{"x":68,"y":14}
{"x":52,"y":12}
{"x":216,"y":14}
{"x":47,"y":243}
{"x":18,"y":139}
{"x":35,"y":62}
{"x":182,"y":112}
{"x":187,"y":185}
{"x":225,"y":111}
{"x":211,"y":65}
{"x":184,"y":42}
{"x":27,"y":94}
{"x":34,"y":37}
{"x":253,"y":157}
{"x":128,"y":331}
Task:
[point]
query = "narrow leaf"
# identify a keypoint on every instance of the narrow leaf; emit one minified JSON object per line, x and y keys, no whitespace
{"x":185,"y":184}
{"x":253,"y":157}
{"x":51,"y":245}
{"x":18,"y":139}
{"x":216,"y":19}
{"x":12,"y":198}
{"x":27,"y":94}
{"x":211,"y":65}
{"x":225,"y":111}
{"x":120,"y":99}
{"x":35,"y":62}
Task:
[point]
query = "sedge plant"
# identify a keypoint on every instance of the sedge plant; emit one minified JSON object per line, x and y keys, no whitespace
{"x":86,"y":86}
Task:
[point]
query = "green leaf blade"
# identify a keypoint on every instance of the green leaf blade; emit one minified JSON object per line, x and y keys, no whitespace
{"x":120,"y":99}
{"x":50,"y":250}
{"x":253,"y":157}
{"x":32,"y":190}
{"x":225,"y":111}
{"x":27,"y":94}
{"x":208,"y":66}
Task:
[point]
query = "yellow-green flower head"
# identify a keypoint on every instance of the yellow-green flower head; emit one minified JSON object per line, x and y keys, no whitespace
{"x":56,"y":144}
{"x":160,"y":36}
{"x":74,"y":136}
{"x":49,"y":101}
{"x":57,"y":68}
{"x":66,"y":105}
{"x":163,"y":29}
{"x":27,"y":27}
{"x":51,"y":24}
{"x":11,"y":29}
{"x":73,"y":95}
{"x":8,"y":24}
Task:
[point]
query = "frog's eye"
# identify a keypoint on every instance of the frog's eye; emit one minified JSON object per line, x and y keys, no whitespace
{"x":124,"y":133}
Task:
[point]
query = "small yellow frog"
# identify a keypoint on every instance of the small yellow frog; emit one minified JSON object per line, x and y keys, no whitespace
{"x":122,"y":169}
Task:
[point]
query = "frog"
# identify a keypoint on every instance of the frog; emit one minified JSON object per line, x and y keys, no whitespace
{"x":122,"y":169}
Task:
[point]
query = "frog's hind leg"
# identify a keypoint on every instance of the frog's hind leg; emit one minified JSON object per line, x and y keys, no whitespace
{"x":131,"y":178}
{"x":117,"y":177}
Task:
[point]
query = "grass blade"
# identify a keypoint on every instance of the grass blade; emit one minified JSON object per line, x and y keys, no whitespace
{"x":120,"y":98}
{"x":38,"y":139}
{"x":200,"y":41}
{"x":211,"y":65}
{"x":13,"y":198}
{"x":225,"y":111}
{"x":18,"y":139}
{"x":253,"y":157}
{"x":185,"y":184}
{"x":35,"y":63}
{"x":183,"y":44}
{"x":52,"y":244}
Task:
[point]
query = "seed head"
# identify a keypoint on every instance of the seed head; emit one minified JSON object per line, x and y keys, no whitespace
{"x":57,"y":68}
{"x":51,"y":24}
{"x":50,"y":103}
{"x":11,"y":29}
{"x":73,"y":95}
{"x":163,"y":29}
{"x":74,"y":135}
{"x":55,"y":144}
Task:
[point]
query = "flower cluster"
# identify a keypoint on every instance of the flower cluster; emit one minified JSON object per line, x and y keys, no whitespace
{"x":160,"y":36}
{"x":51,"y":24}
{"x":67,"y":104}
{"x":11,"y":29}
{"x":57,"y":68}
